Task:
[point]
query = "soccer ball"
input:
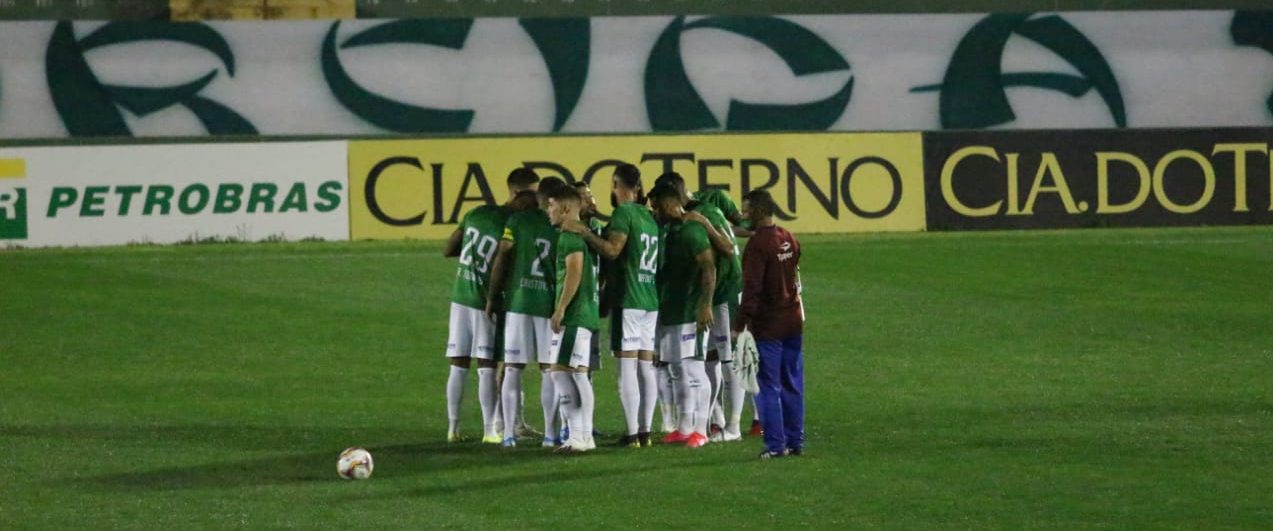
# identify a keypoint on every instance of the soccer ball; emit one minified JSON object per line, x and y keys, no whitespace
{"x":354,"y":463}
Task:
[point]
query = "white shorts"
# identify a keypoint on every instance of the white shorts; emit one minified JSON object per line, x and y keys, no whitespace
{"x":572,"y":347}
{"x":471,"y":334}
{"x":527,"y":339}
{"x":677,"y":342}
{"x":720,"y":340}
{"x":633,"y":330}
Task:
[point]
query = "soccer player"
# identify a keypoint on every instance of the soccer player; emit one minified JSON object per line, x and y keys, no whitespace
{"x":574,"y":321}
{"x":718,"y":199}
{"x":471,"y":334}
{"x":724,"y":307}
{"x":525,"y":260}
{"x":592,"y":219}
{"x":687,"y":284}
{"x":632,"y":247}
{"x":771,"y":309}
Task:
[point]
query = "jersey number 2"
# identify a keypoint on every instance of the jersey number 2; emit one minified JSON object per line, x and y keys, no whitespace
{"x":545,"y":247}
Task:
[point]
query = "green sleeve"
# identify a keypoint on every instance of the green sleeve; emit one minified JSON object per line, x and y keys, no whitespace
{"x":727,"y":206}
{"x":696,"y":238}
{"x":569,"y":245}
{"x":510,"y":229}
{"x":622,"y":220}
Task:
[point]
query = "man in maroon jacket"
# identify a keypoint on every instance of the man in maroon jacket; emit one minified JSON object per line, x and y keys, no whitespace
{"x":772,"y":310}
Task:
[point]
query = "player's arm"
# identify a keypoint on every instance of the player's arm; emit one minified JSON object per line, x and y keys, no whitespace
{"x":453,"y":243}
{"x":569,"y":287}
{"x":736,"y":219}
{"x":609,"y":248}
{"x":720,"y":242}
{"x":707,"y":278}
{"x":499,"y":273}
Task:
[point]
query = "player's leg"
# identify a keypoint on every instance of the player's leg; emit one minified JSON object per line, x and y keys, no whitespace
{"x":624,"y":342}
{"x":647,"y":377}
{"x":548,"y":390}
{"x":757,"y":428}
{"x":567,"y":400}
{"x":568,"y":392}
{"x":518,"y":347}
{"x":487,"y":391}
{"x":793,"y":394}
{"x":667,"y":364}
{"x":580,"y":362}
{"x":459,"y":348}
{"x":669,"y":368}
{"x":732,"y":391}
{"x":769,"y":399}
{"x":497,"y":346}
{"x":695,"y":371}
{"x":715,"y":418}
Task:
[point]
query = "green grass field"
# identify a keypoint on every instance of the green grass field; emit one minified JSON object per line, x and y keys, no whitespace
{"x":1114,"y":378}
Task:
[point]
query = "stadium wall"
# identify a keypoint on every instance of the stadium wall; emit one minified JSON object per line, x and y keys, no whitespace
{"x":857,"y":72}
{"x":824,"y":182}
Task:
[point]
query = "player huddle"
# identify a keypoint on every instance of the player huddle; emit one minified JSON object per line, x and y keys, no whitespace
{"x":537,"y":274}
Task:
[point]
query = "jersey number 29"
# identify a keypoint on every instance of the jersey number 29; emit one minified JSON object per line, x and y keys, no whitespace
{"x":485,"y":249}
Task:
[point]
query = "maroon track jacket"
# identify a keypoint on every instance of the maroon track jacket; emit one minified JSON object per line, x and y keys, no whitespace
{"x":771,"y":298}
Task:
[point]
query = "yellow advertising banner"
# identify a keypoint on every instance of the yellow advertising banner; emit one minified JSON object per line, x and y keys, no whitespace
{"x":194,"y":10}
{"x":823,"y":182}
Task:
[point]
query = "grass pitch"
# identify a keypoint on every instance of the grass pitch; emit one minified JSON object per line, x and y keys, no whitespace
{"x":1115,"y":378}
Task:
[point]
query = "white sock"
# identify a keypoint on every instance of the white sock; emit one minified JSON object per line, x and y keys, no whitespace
{"x":755,"y":411}
{"x":454,"y":397}
{"x":734,"y":392}
{"x":487,"y":396}
{"x":629,"y":393}
{"x":521,"y":409}
{"x":568,"y":399}
{"x":714,"y":376}
{"x":699,"y":395}
{"x":667,"y":397}
{"x":512,"y":398}
{"x":587,"y":405}
{"x":497,"y":419}
{"x":548,"y":401}
{"x":649,"y":394}
{"x":687,"y":395}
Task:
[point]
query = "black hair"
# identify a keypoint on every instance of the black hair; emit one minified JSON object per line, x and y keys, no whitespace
{"x":664,"y":191}
{"x":672,"y":179}
{"x":630,"y":176}
{"x":549,"y":185}
{"x":579,"y":185}
{"x":761,"y":203}
{"x":524,"y":200}
{"x":522,"y":177}
{"x":562,"y":193}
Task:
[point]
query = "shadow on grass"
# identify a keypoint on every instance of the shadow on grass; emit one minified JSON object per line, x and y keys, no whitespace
{"x":315,"y":460}
{"x":317,"y":463}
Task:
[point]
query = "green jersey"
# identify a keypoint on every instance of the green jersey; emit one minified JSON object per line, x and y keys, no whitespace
{"x":718,"y":199}
{"x":632,"y":276}
{"x":582,"y":311}
{"x":729,"y":271}
{"x":680,"y":286}
{"x":482,"y":227}
{"x":531,"y":276}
